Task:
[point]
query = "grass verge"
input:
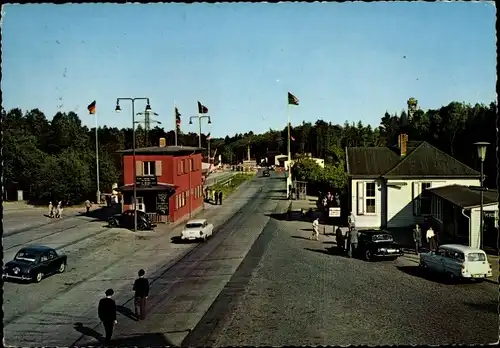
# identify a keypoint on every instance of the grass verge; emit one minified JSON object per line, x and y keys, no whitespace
{"x":237,"y":180}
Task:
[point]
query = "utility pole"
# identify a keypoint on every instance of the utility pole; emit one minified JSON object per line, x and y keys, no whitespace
{"x":147,"y":123}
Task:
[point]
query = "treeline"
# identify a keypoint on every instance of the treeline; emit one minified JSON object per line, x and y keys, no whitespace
{"x":53,"y":160}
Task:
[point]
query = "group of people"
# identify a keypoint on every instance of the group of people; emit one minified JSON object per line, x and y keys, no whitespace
{"x":430,"y":236}
{"x":107,"y":306}
{"x":214,"y":196}
{"x":55,"y":211}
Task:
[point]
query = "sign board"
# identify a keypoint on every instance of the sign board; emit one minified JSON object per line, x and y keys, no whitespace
{"x":333,"y":212}
{"x":162,"y":203}
{"x":146,"y":181}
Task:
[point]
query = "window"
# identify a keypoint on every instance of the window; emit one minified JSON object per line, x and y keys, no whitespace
{"x":421,"y":199}
{"x":437,"y":208}
{"x":370,"y":198}
{"x":149,"y":168}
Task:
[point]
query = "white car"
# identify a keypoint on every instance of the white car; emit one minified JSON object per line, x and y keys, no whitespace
{"x":197,"y":229}
{"x":457,"y":261}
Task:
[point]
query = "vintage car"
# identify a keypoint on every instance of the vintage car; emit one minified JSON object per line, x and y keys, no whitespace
{"x":126,"y":220}
{"x":457,"y":261}
{"x":33,"y":263}
{"x":197,"y":229}
{"x":377,"y":244}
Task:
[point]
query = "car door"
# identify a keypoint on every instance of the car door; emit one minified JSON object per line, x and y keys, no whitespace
{"x":433,"y":261}
{"x":440,"y":260}
{"x":127,"y":219}
{"x":45,"y":263}
{"x":451,"y":263}
{"x":53,"y":261}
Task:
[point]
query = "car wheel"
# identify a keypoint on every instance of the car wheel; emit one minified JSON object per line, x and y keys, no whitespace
{"x":141,"y":226}
{"x":62,"y":267}
{"x":205,"y":238}
{"x":113,"y":223}
{"x":368,"y":255}
{"x":39,"y":277}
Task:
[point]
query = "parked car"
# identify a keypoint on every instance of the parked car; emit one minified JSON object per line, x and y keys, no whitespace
{"x":126,"y":220}
{"x":457,"y":261}
{"x":266,"y":172}
{"x":33,"y":263}
{"x":197,"y":229}
{"x":378,"y":244}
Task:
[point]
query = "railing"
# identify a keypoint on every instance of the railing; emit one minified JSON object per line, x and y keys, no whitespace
{"x":157,"y":218}
{"x":222,"y":179}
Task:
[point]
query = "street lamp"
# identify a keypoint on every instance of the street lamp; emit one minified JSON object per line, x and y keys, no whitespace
{"x":118,"y":109}
{"x":200,"y":117}
{"x":481,"y":153}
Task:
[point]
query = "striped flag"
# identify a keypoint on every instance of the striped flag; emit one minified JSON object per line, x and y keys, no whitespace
{"x":292,"y":100}
{"x":202,"y":109}
{"x":177,"y":119}
{"x":91,"y":108}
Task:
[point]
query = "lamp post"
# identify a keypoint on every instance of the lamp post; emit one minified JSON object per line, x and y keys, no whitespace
{"x":200,"y":117}
{"x":148,"y":109}
{"x":190,"y":170}
{"x":481,"y":153}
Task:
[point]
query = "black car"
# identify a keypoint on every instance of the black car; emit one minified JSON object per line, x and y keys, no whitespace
{"x":34,"y":262}
{"x":126,"y":220}
{"x":377,"y":244}
{"x":266,"y":172}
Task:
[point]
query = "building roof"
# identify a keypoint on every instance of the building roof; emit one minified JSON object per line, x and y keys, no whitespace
{"x":421,"y":161}
{"x":464,"y":196}
{"x":167,"y":150}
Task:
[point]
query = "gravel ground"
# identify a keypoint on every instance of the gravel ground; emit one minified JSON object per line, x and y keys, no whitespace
{"x":45,"y":314}
{"x":301,"y":293}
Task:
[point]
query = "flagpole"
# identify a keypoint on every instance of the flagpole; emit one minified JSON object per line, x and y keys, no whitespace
{"x":209,"y":161}
{"x":175,"y":123}
{"x":289,"y":178}
{"x":98,"y":193}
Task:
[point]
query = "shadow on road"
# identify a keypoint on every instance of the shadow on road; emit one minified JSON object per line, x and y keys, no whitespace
{"x":102,"y":213}
{"x":137,"y":340}
{"x":178,"y":240}
{"x":488,"y":307}
{"x":419,"y":272}
{"x":300,"y":237}
{"x":278,"y":191}
{"x":87,"y":331}
{"x":333,"y":251}
{"x":127,"y":312}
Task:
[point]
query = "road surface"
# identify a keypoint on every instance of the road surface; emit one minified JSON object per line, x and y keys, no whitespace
{"x":62,"y":309}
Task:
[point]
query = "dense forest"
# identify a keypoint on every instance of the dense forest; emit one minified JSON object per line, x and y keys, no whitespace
{"x":56,"y":159}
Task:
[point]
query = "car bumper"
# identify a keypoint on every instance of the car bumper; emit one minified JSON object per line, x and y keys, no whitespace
{"x":382,"y":254}
{"x":477,"y":276}
{"x":20,"y":277}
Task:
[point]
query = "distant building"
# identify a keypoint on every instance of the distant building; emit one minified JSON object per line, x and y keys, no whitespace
{"x":168,"y":181}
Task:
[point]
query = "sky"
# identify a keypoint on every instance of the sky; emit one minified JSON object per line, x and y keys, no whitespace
{"x":343,"y":61}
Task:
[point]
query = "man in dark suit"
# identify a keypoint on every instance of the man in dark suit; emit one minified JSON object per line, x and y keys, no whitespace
{"x":141,"y":288}
{"x":107,"y":314}
{"x":220,"y":197}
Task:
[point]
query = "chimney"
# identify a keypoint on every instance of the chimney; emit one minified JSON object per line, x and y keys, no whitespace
{"x":403,"y":144}
{"x":163,"y":142}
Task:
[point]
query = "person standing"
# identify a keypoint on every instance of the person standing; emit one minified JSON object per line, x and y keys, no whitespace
{"x":220,"y":197}
{"x":315,"y":225}
{"x":353,"y":242}
{"x":339,"y":238}
{"x":87,"y":206}
{"x":141,"y":288}
{"x":107,"y":314}
{"x":351,"y":221}
{"x":417,"y":238}
{"x":51,"y":210}
{"x":59,"y":209}
{"x":430,"y":236}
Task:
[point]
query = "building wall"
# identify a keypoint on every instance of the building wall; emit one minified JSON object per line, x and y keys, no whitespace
{"x":363,"y":218}
{"x":401,"y":201}
{"x":475,"y":224}
{"x":175,"y":170}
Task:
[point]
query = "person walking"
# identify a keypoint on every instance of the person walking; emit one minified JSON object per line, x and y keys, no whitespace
{"x":141,"y":288}
{"x":353,"y":242}
{"x":51,"y":210}
{"x":417,"y":238}
{"x":214,"y":197}
{"x":315,"y":225}
{"x":339,"y":238}
{"x":430,"y":236}
{"x":87,"y":206}
{"x":107,"y":315}
{"x":59,"y":209}
{"x":220,"y":197}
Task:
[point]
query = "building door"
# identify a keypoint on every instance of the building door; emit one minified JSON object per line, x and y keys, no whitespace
{"x":140,"y":204}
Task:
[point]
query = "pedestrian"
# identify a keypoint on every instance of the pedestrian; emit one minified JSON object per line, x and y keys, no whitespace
{"x":430,"y":236}
{"x":353,"y":242}
{"x":87,"y":206}
{"x":51,"y":210}
{"x":351,"y":221}
{"x":141,"y":288}
{"x":220,"y":197}
{"x":417,"y":238}
{"x":315,"y":225}
{"x":59,"y":210}
{"x":339,"y":238}
{"x":214,"y":197}
{"x":107,"y":314}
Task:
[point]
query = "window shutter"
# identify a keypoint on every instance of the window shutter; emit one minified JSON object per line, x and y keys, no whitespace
{"x":361,"y":198}
{"x":158,"y":168}
{"x":138,"y":168}
{"x":416,"y":201}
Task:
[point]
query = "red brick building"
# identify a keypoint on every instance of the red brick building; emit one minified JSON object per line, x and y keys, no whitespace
{"x":164,"y":177}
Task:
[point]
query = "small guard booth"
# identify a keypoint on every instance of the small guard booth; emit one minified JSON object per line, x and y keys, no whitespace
{"x":152,"y":197}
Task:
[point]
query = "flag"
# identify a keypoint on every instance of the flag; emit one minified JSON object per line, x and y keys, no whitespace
{"x":292,"y":138}
{"x":177,"y":119}
{"x":292,"y":100}
{"x":91,"y":108}
{"x":208,"y":136}
{"x":202,"y":109}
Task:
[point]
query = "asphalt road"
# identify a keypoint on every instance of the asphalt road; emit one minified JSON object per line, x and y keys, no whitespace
{"x":62,"y":309}
{"x":293,"y":291}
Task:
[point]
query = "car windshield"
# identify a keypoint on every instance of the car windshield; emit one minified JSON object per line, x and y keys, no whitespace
{"x":382,"y":238}
{"x":26,"y":255}
{"x":193,"y":225}
{"x":472,"y":257}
